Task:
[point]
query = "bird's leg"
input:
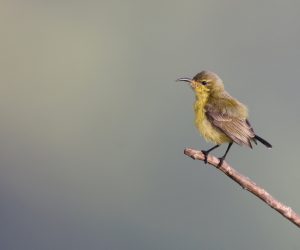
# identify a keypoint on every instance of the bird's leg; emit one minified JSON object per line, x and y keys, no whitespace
{"x":224,"y":156}
{"x":205,"y":152}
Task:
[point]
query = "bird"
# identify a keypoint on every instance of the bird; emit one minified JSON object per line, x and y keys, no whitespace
{"x":219,"y":117}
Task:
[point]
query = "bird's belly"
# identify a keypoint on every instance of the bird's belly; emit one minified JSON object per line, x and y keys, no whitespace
{"x":210,"y":132}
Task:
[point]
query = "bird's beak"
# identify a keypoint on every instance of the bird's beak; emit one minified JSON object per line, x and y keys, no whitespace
{"x":184,"y":79}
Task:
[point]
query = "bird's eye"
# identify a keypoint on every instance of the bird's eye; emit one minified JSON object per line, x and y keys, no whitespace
{"x":204,"y":82}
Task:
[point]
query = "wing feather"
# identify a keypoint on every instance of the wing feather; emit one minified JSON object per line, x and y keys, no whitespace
{"x":225,"y":119}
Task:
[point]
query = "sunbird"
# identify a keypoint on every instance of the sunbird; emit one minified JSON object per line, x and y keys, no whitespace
{"x":219,"y":117}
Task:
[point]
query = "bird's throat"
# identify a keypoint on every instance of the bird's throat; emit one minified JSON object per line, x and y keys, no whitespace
{"x":200,"y":102}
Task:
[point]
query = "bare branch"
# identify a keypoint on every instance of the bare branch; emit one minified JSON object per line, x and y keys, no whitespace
{"x":247,"y":184}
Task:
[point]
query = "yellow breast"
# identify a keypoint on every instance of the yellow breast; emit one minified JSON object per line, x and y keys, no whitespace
{"x":208,"y":131}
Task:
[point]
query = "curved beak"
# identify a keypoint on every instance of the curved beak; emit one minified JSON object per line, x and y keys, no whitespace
{"x":184,"y":79}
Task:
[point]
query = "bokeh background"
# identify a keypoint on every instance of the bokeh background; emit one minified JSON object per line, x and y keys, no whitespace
{"x":93,"y":125}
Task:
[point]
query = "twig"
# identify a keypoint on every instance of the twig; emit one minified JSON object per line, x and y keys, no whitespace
{"x":247,"y":184}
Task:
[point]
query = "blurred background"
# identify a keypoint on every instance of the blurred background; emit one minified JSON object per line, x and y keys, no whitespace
{"x":93,"y":125}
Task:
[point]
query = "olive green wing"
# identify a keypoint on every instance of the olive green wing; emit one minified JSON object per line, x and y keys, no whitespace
{"x":230,"y":122}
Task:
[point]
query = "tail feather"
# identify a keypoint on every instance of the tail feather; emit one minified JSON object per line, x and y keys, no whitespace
{"x":263,"y":141}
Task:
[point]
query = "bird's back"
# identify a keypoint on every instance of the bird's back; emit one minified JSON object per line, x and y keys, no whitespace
{"x":225,"y":104}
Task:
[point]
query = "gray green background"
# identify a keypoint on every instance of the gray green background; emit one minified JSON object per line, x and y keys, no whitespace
{"x":93,"y":125}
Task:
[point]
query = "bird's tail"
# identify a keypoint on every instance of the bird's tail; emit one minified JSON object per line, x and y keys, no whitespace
{"x":263,"y":141}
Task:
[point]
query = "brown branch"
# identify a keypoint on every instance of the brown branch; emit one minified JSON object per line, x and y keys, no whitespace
{"x":247,"y":184}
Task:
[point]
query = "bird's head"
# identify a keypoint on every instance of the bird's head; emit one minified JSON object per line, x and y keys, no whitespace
{"x":204,"y":82}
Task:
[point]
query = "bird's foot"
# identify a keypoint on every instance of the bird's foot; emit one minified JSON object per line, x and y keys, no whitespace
{"x":205,"y":155}
{"x":221,"y":160}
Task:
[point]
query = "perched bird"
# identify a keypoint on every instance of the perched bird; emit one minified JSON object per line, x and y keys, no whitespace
{"x":219,"y":117}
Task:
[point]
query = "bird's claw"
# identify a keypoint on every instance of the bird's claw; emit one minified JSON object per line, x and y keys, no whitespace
{"x":221,"y":160}
{"x":205,"y":156}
